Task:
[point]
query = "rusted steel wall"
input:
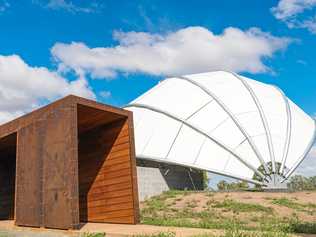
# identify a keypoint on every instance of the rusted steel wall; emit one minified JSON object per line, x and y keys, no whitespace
{"x":29,"y":176}
{"x":106,"y":175}
{"x":47,"y":175}
{"x":46,"y":172}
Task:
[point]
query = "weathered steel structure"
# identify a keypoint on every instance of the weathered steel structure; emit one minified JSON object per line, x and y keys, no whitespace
{"x":72,"y":161}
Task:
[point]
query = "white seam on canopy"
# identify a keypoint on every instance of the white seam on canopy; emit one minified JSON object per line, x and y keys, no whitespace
{"x":231,"y":115}
{"x":262,"y":115}
{"x":194,"y":127}
{"x":288,"y":130}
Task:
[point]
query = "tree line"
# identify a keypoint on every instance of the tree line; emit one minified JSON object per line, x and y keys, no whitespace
{"x":296,"y":183}
{"x":300,"y":183}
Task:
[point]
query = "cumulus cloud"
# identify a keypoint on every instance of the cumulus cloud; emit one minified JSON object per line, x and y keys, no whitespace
{"x":23,"y":87}
{"x":67,"y":6}
{"x":308,"y":166}
{"x":188,"y":50}
{"x":292,"y":13}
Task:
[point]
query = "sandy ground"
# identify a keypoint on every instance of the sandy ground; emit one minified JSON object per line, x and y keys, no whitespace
{"x":111,"y":230}
{"x":201,"y":200}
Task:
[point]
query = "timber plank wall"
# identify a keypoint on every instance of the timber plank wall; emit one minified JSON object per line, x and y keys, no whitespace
{"x":69,"y":162}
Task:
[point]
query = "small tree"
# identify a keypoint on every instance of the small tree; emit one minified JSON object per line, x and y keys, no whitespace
{"x":300,"y":182}
{"x":206,"y":180}
{"x":222,"y":185}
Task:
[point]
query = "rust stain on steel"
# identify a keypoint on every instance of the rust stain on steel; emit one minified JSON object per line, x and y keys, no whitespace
{"x":70,"y":161}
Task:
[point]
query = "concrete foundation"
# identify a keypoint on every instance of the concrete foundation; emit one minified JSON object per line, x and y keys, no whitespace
{"x":155,"y":178}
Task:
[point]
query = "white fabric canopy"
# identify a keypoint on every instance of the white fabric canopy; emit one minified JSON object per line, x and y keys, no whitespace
{"x":223,"y":123}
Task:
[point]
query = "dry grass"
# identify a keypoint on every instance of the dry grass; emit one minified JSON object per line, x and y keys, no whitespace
{"x":287,"y":212}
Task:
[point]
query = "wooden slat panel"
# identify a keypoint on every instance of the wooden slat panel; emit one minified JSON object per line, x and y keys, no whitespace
{"x":119,"y":220}
{"x":105,"y":209}
{"x":100,"y":195}
{"x":112,"y":214}
{"x":109,"y":168}
{"x":104,"y":176}
{"x":106,"y":185}
{"x":107,"y":201}
{"x":113,"y":188}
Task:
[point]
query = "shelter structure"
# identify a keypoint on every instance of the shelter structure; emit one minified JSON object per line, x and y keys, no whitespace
{"x":223,"y":123}
{"x":72,"y":161}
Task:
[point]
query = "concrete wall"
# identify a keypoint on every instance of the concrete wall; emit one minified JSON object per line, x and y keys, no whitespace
{"x":155,"y":178}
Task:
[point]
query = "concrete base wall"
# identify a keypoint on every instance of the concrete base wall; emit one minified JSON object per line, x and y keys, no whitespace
{"x":155,"y":178}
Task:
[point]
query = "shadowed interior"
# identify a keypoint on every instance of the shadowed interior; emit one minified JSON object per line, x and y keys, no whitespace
{"x":7,"y":176}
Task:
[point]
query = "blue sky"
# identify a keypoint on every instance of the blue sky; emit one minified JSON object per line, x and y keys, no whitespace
{"x":31,"y":28}
{"x":102,"y":49}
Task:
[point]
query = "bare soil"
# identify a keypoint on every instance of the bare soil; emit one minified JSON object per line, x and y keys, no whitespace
{"x":206,"y":201}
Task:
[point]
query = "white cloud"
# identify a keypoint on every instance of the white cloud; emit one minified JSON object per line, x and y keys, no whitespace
{"x":23,"y":87}
{"x":308,"y":166}
{"x":4,"y":5}
{"x":292,"y":13}
{"x":189,"y":50}
{"x":67,"y":6}
{"x":310,"y":25}
{"x":105,"y":94}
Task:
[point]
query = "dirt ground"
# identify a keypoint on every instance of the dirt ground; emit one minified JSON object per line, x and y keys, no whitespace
{"x":201,"y":201}
{"x":262,"y":198}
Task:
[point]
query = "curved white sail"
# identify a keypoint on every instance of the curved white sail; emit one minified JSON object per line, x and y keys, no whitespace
{"x":223,"y":123}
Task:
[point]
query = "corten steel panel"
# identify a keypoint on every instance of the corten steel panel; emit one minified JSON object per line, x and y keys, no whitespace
{"x":29,"y":175}
{"x":46,"y":172}
{"x":59,"y":169}
{"x":47,"y":179}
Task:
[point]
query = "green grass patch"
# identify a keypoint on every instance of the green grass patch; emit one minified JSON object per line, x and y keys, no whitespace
{"x":93,"y":235}
{"x":229,"y":233}
{"x":233,"y":217}
{"x":160,"y":234}
{"x":241,"y":233}
{"x":193,"y":223}
{"x":302,"y":227}
{"x":235,"y":206}
{"x":306,"y":207}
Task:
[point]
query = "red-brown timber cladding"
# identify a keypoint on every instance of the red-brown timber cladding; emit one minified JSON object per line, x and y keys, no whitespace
{"x":75,"y":161}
